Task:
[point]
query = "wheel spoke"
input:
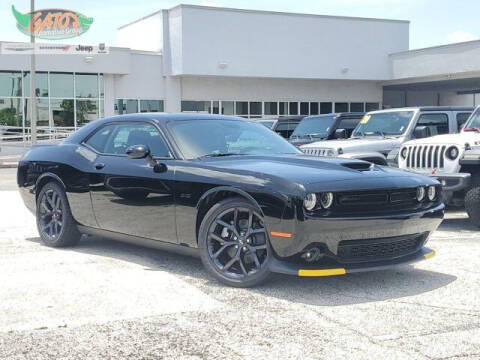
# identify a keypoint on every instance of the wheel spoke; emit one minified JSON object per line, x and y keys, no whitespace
{"x":46,"y":226}
{"x":56,"y":227}
{"x":255,"y":259}
{"x":217,"y":238}
{"x":45,"y":207}
{"x":260,"y":247}
{"x":250,"y":220}
{"x":242,"y":266}
{"x":228,"y":226}
{"x":50,"y":200}
{"x":57,"y":203}
{"x":219,"y":251}
{"x":229,"y":264}
{"x":235,"y":219}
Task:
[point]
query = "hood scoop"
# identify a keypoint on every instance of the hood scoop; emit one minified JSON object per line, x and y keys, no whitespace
{"x":359,"y":166}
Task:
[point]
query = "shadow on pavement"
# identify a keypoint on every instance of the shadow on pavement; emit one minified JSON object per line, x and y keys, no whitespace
{"x":458,"y":224}
{"x":328,"y":291}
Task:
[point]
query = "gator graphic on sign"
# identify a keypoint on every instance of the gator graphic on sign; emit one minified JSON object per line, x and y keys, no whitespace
{"x":52,"y":24}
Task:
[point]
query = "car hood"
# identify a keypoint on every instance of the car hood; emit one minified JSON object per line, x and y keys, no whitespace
{"x":472,"y":138}
{"x":353,"y":145}
{"x":303,"y":169}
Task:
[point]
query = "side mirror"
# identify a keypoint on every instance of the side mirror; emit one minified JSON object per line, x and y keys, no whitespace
{"x":421,"y":132}
{"x":138,"y":151}
{"x":341,"y":134}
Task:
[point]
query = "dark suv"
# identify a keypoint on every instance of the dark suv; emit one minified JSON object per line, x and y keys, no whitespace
{"x":325,"y":127}
{"x":285,"y":125}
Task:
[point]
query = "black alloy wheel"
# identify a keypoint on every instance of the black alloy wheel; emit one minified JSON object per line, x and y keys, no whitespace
{"x":55,"y":223}
{"x":234,"y":242}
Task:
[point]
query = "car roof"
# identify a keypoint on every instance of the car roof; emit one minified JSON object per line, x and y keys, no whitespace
{"x":426,"y":108}
{"x":291,"y":118}
{"x":352,"y":115}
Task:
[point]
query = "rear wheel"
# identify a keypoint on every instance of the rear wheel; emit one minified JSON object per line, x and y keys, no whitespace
{"x":55,"y":222}
{"x":234,"y":243}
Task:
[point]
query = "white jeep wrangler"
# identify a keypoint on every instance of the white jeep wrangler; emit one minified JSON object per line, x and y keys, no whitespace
{"x":452,"y":159}
{"x":379,"y":135}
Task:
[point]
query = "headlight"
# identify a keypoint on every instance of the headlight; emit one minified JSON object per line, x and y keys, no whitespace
{"x":404,"y":153}
{"x":452,"y":152}
{"x":432,"y":193}
{"x":326,"y":200}
{"x":310,"y":202}
{"x":420,"y":193}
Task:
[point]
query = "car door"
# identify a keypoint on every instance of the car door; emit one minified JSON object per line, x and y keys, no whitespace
{"x":128,"y":195}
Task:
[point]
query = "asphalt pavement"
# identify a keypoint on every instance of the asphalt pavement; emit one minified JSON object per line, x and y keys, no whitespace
{"x":107,"y":300}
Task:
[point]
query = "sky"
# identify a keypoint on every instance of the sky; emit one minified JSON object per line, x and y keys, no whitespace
{"x":432,"y":22}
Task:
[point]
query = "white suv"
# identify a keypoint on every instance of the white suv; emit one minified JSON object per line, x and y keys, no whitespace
{"x":454,"y":160}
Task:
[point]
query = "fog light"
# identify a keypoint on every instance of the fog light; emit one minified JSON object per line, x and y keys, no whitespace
{"x":326,"y":200}
{"x":432,"y":193}
{"x":310,"y":201}
{"x":420,"y":193}
{"x":312,"y":254}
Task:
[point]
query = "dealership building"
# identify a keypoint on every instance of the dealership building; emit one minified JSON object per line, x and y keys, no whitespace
{"x":241,"y":62}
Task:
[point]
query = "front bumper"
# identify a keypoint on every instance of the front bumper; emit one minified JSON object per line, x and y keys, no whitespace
{"x":284,"y":267}
{"x":454,"y":182}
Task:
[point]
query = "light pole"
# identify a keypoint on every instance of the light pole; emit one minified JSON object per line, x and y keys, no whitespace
{"x":33,"y":100}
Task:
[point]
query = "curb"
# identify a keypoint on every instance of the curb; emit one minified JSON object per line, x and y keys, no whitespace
{"x":8,"y":165}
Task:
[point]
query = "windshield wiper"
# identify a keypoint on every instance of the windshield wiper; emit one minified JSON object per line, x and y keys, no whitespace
{"x":218,"y":155}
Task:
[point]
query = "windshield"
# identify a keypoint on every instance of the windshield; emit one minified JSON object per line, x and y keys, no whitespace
{"x":387,"y":123}
{"x":318,"y":125}
{"x":200,"y":138}
{"x":473,"y":123}
{"x":267,"y":123}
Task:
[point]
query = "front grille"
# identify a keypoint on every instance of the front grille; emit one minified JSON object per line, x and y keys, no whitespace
{"x":316,"y":152}
{"x":376,"y":202}
{"x":351,"y":251}
{"x":426,"y":157}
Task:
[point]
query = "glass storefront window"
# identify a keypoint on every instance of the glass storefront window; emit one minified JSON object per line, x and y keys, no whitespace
{"x":326,"y":108}
{"x":216,"y":107}
{"x":356,"y":107}
{"x":283,"y":108}
{"x":314,"y":108}
{"x":241,"y":107}
{"x":126,"y":106}
{"x":101,"y":85}
{"x":270,"y":108}
{"x":372,"y":106}
{"x":304,"y":108}
{"x":10,"y":83}
{"x":87,"y":110}
{"x":61,"y":85}
{"x":41,"y":84}
{"x":228,"y":107}
{"x":42,"y":112}
{"x":255,"y":108}
{"x":151,"y":105}
{"x":11,"y":112}
{"x":62,"y":112}
{"x":341,"y":107}
{"x":86,"y":86}
{"x":196,"y":106}
{"x":293,"y":108}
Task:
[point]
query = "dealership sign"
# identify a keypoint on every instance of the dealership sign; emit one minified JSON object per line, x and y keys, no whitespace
{"x":52,"y":24}
{"x":51,"y":49}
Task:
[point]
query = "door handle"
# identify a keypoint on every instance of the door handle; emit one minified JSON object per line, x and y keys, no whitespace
{"x":99,"y":166}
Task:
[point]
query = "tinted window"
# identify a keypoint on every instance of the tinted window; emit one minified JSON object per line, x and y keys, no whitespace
{"x":462,"y":119}
{"x":318,"y":125}
{"x":437,"y":123}
{"x":99,"y":139}
{"x":126,"y":135}
{"x":326,"y":108}
{"x":348,"y":123}
{"x":385,"y":123}
{"x":341,"y":107}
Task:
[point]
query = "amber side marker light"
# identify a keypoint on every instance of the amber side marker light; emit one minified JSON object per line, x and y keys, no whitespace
{"x":430,"y":255}
{"x":280,"y":234}
{"x":322,"y":272}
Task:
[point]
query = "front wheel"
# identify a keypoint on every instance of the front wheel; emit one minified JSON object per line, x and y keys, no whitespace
{"x":472,"y":205}
{"x":55,"y":222}
{"x":234,"y":243}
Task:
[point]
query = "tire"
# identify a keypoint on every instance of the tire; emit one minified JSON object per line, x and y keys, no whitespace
{"x":234,"y":244}
{"x":55,"y":223}
{"x":472,"y":205}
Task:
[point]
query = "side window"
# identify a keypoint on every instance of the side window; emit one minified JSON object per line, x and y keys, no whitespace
{"x":99,"y":139}
{"x":126,"y":135}
{"x":462,"y":119}
{"x":349,"y":125}
{"x":437,"y":123}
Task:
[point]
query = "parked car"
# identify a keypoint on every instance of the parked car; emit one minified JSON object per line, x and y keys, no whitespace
{"x":285,"y":125}
{"x":452,"y":159}
{"x":184,"y":182}
{"x":269,"y":123}
{"x":380,"y":132}
{"x":325,"y":127}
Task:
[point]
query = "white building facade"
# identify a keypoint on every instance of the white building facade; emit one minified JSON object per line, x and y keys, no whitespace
{"x":241,"y":62}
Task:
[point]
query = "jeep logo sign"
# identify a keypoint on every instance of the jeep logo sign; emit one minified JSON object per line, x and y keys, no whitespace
{"x":52,"y":24}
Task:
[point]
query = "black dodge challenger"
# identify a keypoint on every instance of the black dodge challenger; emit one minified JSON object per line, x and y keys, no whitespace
{"x":231,"y":191}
